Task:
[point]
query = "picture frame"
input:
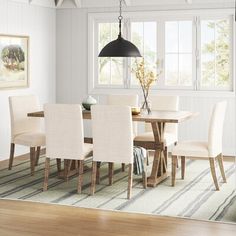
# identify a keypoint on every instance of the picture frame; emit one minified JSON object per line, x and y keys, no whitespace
{"x":14,"y":61}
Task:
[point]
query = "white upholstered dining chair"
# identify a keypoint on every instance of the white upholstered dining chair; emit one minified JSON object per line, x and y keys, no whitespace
{"x":65,"y":138}
{"x":210,"y":150}
{"x":112,"y":140}
{"x":26,"y":131}
{"x":163,"y":103}
{"x":124,"y":100}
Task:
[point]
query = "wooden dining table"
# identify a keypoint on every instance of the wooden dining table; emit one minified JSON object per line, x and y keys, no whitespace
{"x":158,"y":120}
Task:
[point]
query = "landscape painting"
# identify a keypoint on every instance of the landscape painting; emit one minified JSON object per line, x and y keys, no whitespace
{"x":13,"y":61}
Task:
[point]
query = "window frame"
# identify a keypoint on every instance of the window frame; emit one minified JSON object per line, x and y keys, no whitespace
{"x":161,"y":83}
{"x":160,"y":17}
{"x":232,"y":52}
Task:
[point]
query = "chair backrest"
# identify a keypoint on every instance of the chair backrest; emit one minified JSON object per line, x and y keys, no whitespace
{"x":215,"y":133}
{"x":19,"y":107}
{"x":64,"y":131}
{"x":124,"y":100}
{"x":112,"y":133}
{"x":165,"y":103}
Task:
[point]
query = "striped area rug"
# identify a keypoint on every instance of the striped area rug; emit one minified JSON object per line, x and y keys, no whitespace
{"x":193,"y":197}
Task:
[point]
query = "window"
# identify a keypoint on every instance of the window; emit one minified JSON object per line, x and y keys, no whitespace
{"x":178,"y":53}
{"x":215,"y":54}
{"x":144,"y":36}
{"x":193,"y":51}
{"x":110,"y":70}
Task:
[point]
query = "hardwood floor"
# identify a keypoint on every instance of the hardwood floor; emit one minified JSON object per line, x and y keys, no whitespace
{"x":27,"y":218}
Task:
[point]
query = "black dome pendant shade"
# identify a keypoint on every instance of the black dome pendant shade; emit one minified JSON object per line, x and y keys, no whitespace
{"x":120,"y":47}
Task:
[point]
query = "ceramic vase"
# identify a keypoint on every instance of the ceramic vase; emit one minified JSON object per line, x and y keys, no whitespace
{"x":88,"y":102}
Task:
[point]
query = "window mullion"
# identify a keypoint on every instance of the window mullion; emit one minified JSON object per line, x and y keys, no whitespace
{"x":161,"y":51}
{"x":178,"y":54}
{"x":127,"y":61}
{"x":215,"y":55}
{"x":197,"y":53}
{"x":110,"y":59}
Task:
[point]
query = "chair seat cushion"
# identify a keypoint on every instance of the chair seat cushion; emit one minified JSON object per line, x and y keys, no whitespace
{"x":191,"y":149}
{"x":31,"y":139}
{"x":170,"y":138}
{"x":69,"y":154}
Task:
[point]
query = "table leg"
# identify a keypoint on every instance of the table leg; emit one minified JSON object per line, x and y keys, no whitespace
{"x":159,"y":166}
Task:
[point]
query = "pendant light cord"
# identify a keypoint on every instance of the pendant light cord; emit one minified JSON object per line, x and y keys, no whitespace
{"x":120,"y":19}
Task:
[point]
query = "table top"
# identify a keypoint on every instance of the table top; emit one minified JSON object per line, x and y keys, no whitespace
{"x":155,"y":116}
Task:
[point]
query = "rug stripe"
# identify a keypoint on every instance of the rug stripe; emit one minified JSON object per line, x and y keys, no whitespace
{"x":200,"y":199}
{"x":99,"y":190}
{"x":126,"y":204}
{"x":133,"y":199}
{"x":21,"y":187}
{"x":224,"y":205}
{"x":226,"y":208}
{"x":23,"y":176}
{"x":67,"y":195}
{"x":18,"y":172}
{"x":19,"y":164}
{"x":38,"y":191}
{"x":181,"y":192}
{"x":121,"y":192}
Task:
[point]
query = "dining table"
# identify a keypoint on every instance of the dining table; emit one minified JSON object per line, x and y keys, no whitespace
{"x":158,"y":120}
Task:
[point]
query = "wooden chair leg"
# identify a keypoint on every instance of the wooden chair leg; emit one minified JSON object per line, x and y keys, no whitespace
{"x":182,"y":167}
{"x":37,"y":155}
{"x":130,"y":181}
{"x":177,"y":161}
{"x":93,"y":177}
{"x":67,"y":167}
{"x":164,"y":160}
{"x":144,"y":175}
{"x":66,"y":170}
{"x":77,"y":166}
{"x":80,"y":177}
{"x":213,"y":172}
{"x":147,"y":158}
{"x":98,"y":173}
{"x":12,"y":150}
{"x":173,"y":172}
{"x":166,"y":154}
{"x":110,"y":172}
{"x":221,"y":165}
{"x":58,"y":165}
{"x":123,"y":167}
{"x":32,"y":159}
{"x":46,"y":174}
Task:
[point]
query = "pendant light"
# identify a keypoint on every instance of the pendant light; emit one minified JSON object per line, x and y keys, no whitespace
{"x":120,"y":47}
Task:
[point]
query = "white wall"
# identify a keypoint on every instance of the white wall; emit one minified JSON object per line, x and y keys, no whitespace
{"x":72,"y":74}
{"x":39,"y":23}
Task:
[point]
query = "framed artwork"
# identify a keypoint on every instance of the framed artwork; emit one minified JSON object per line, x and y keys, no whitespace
{"x":14,"y":68}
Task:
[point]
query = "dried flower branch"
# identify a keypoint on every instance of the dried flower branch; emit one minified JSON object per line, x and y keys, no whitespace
{"x":146,"y":78}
